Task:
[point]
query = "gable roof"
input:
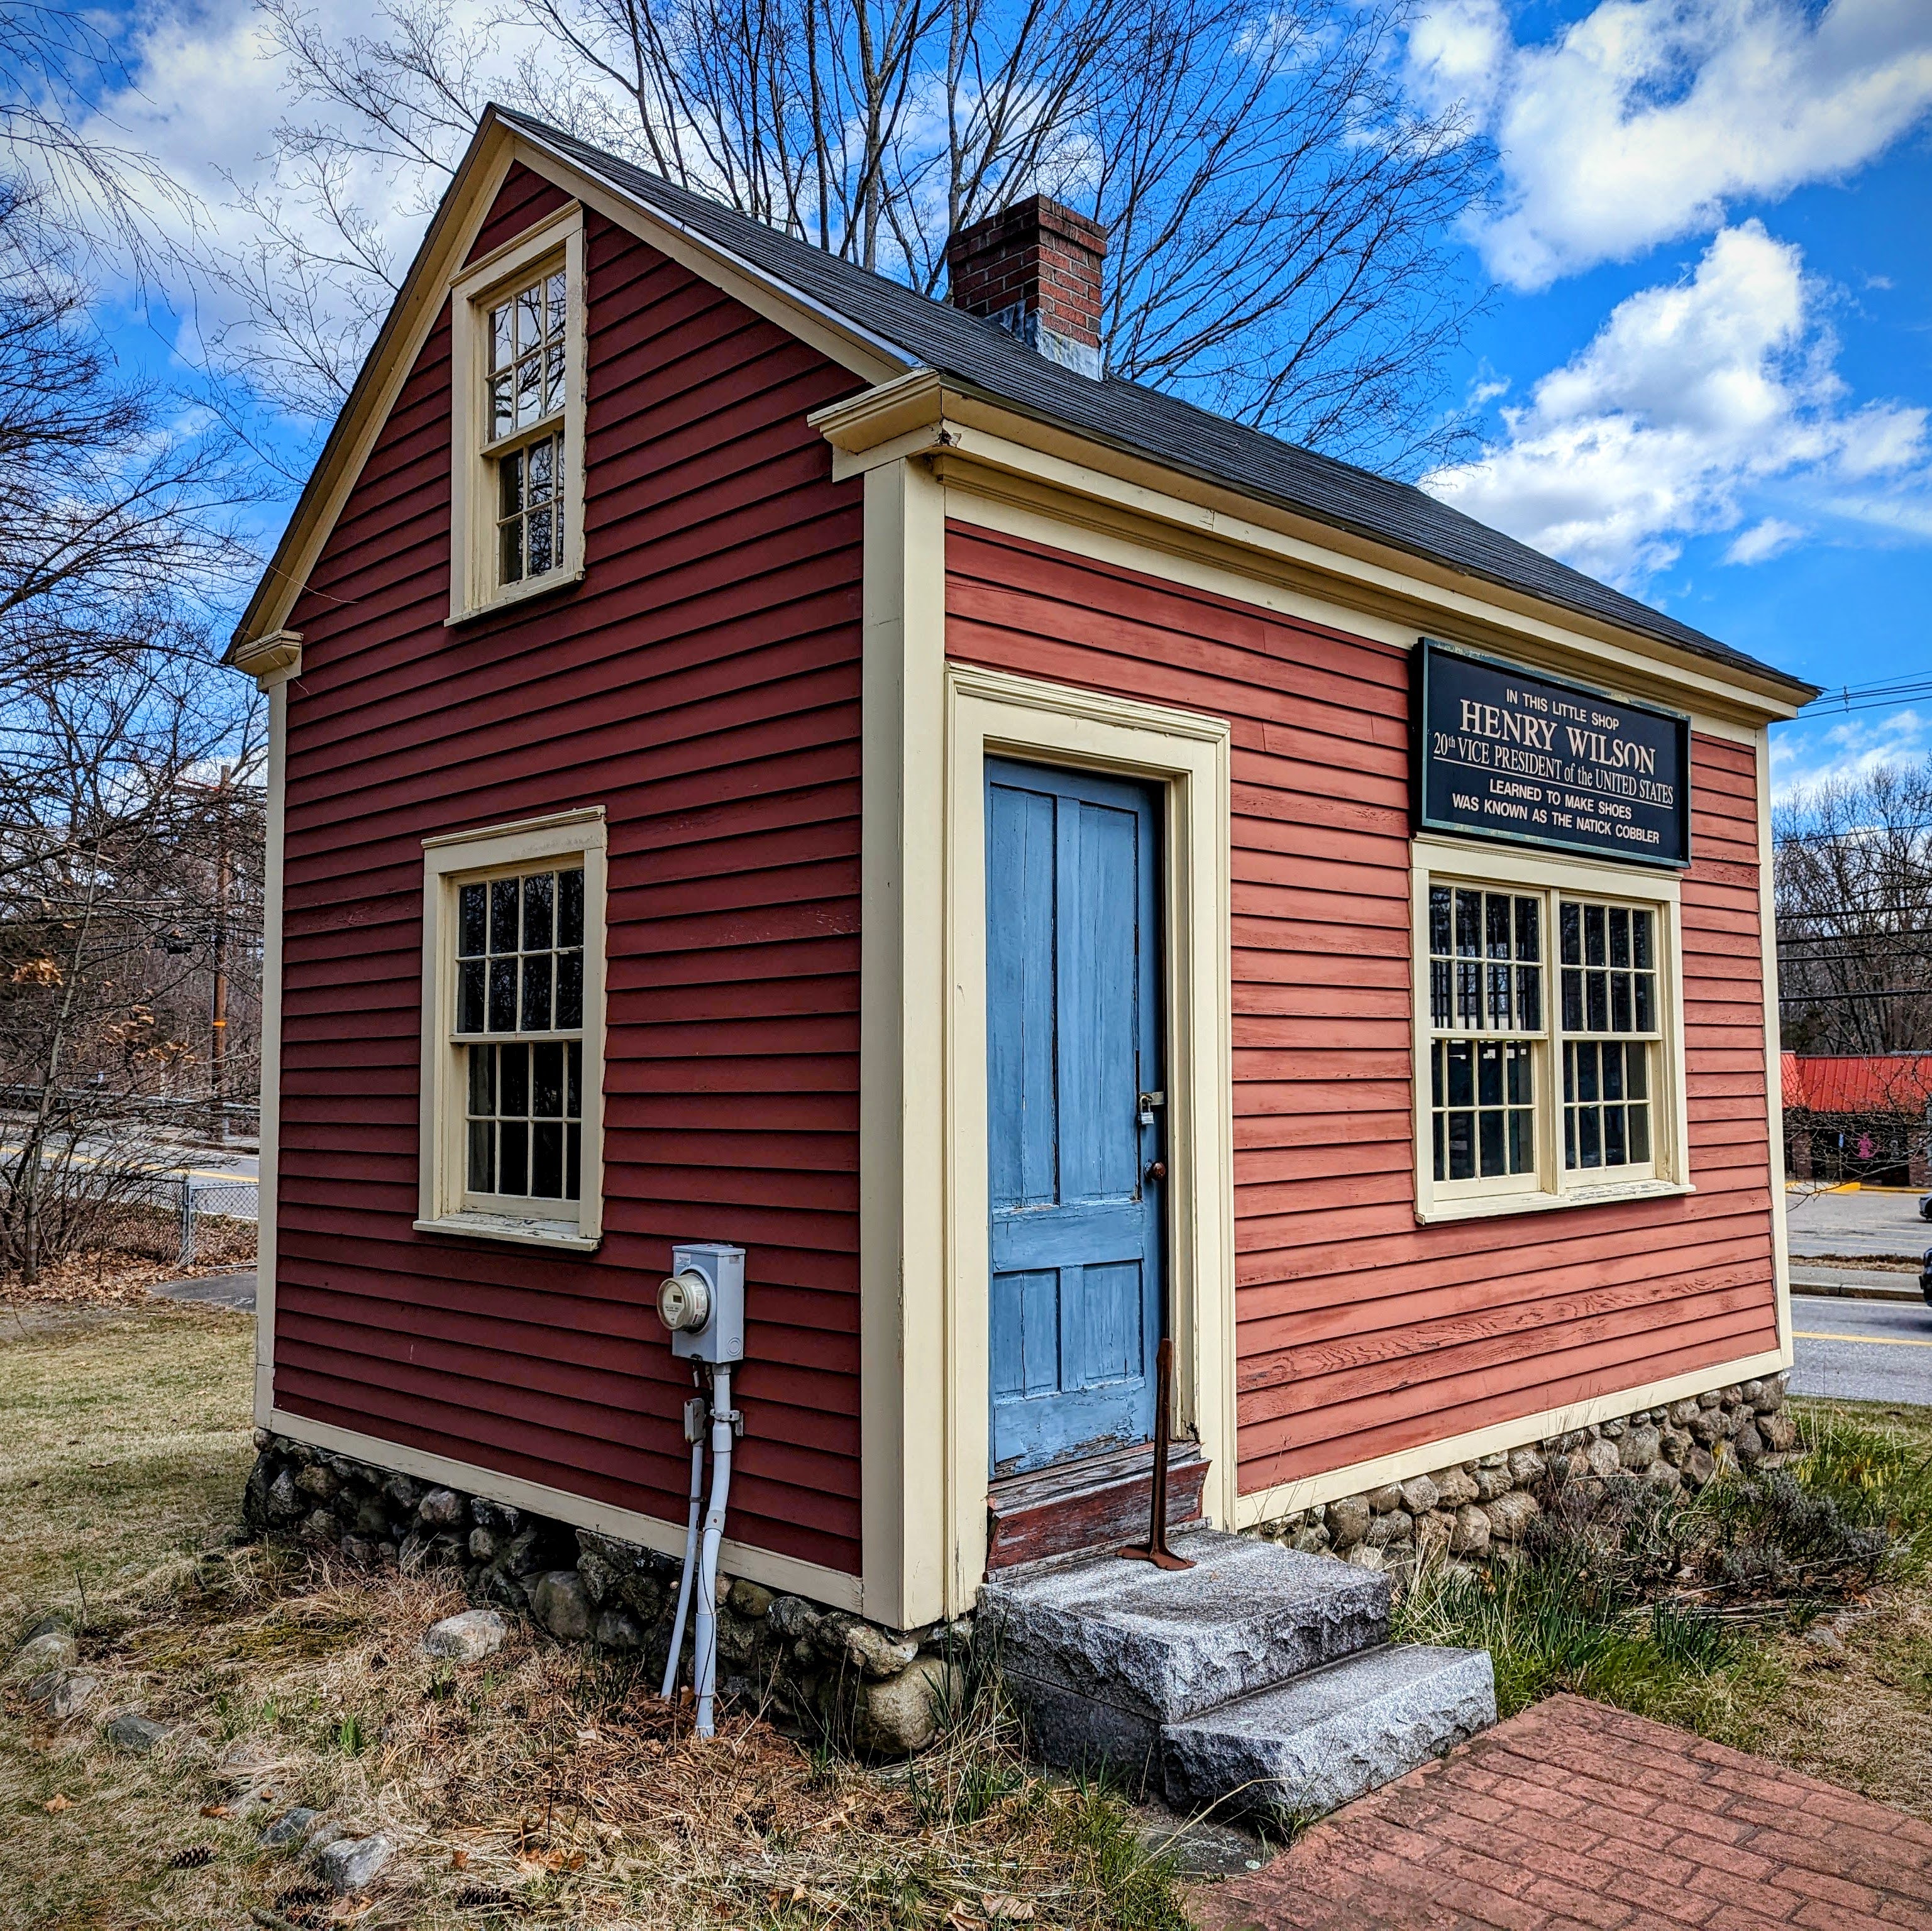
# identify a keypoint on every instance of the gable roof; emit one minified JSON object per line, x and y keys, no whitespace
{"x":1129,"y":416}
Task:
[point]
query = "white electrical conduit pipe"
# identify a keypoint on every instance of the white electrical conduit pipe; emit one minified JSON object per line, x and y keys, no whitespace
{"x":704,"y":1655}
{"x":697,"y":1434}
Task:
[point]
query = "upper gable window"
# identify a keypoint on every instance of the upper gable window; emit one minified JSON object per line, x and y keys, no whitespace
{"x":517,"y":482}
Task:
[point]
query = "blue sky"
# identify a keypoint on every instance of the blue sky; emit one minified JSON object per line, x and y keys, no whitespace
{"x":1706,"y":374}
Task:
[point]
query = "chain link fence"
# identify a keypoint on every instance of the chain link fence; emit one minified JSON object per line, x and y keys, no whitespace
{"x":218,"y":1220}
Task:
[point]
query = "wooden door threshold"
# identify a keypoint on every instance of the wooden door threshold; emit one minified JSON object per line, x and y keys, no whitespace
{"x":1089,"y":1504}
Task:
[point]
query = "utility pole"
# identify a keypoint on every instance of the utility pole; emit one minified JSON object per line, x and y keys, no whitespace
{"x":218,"y":1024}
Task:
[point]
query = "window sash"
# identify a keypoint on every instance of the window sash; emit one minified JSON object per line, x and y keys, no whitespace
{"x":1581,"y":1096}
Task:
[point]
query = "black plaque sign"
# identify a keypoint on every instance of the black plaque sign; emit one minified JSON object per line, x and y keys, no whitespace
{"x":1505,"y":753}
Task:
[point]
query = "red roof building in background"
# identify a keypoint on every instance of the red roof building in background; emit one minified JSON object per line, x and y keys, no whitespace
{"x":1859,"y":1117}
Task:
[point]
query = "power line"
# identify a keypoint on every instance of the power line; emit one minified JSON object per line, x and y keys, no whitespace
{"x":1867,"y":696}
{"x":1827,"y":998}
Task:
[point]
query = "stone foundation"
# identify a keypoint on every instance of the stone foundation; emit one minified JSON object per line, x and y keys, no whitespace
{"x":1471,"y":1511}
{"x":815,"y":1671}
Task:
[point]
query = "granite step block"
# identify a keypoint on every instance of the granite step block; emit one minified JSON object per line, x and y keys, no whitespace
{"x":1102,"y":1653}
{"x":1305,"y":1748}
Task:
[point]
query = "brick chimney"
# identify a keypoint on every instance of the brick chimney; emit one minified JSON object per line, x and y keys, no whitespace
{"x":1035,"y":269}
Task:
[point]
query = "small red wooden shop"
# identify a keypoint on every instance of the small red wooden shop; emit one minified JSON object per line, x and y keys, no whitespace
{"x":761,"y":756}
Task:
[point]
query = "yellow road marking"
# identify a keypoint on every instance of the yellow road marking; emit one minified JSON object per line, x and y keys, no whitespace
{"x":164,"y":1173}
{"x":1868,"y":1340}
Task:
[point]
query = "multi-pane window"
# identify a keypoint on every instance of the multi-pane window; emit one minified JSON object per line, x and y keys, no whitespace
{"x":1485,"y":998}
{"x":1610,"y":1025}
{"x":520,"y":1023}
{"x":525,"y":383}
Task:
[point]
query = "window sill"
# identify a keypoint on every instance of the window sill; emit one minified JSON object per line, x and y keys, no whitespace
{"x":530,"y":1232}
{"x":509,"y":600}
{"x":1494,"y":1205}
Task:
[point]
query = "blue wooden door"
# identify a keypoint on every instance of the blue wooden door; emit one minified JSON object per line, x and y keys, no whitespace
{"x":1073,"y":1041}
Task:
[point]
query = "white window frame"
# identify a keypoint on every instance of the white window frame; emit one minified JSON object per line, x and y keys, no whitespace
{"x":1442,"y":861}
{"x":450,"y":861}
{"x":473,"y":588}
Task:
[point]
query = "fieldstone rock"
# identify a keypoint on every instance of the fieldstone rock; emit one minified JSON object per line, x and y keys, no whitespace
{"x":1610,"y":1431}
{"x":1770,"y":1396}
{"x":750,"y":1599}
{"x":284,"y":1503}
{"x":329,"y":1831}
{"x":1711,"y":1398}
{"x":64,"y":1693}
{"x":902,"y":1713}
{"x":351,"y":1864}
{"x":1748,"y":1393}
{"x":1748,"y":1445}
{"x":371,"y":1518}
{"x":1699,"y":1467}
{"x":1348,"y":1521}
{"x":289,"y":1828}
{"x":1706,"y":1428}
{"x":441,"y":1508}
{"x":51,"y":1650}
{"x":498,"y":1517}
{"x":1663,"y":1477}
{"x":601,"y":1575}
{"x":561,"y":1604}
{"x":261,"y":1438}
{"x":1366,"y":1555}
{"x":1680,"y":1413}
{"x":467,"y":1638}
{"x":1527,"y":1466}
{"x":1638,"y":1449}
{"x":255,"y":1495}
{"x":1731,"y":1397}
{"x":1388,"y":1497}
{"x":320,"y":1526}
{"x":1420,"y":1494}
{"x":1434,"y":1532}
{"x":1397,"y":1525}
{"x":1454,"y":1487}
{"x":874,"y":1653}
{"x":318,"y":1483}
{"x":523,"y":1553}
{"x":1673,"y":1444}
{"x":404,"y":1491}
{"x":1471,"y":1535}
{"x":482,"y":1545}
{"x":1779,"y":1431}
{"x":616,"y":1629}
{"x":1491,"y":1483}
{"x":1602,"y":1458}
{"x":1510,"y":1516}
{"x":1312,"y":1540}
{"x":361,"y":1549}
{"x":131,"y":1731}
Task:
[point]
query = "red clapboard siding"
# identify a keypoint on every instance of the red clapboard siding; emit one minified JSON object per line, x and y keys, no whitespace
{"x":703,"y":685}
{"x":1361,"y":1333}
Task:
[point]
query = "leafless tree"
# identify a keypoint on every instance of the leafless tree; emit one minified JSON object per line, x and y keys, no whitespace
{"x":127,"y":764}
{"x":1854,"y":892}
{"x":1282,"y":242}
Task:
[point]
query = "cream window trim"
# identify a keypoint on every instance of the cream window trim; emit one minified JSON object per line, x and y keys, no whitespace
{"x":1435,"y":860}
{"x":449,"y":861}
{"x":474,"y":590}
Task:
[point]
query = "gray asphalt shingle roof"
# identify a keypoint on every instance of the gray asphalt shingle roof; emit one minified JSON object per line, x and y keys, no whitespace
{"x":1130,"y":416}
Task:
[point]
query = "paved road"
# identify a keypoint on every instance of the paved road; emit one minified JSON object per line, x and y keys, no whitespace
{"x":236,"y":1290}
{"x":1856,"y":1223}
{"x":1862,"y":1351}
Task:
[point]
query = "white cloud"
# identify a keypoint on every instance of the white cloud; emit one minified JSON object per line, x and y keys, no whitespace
{"x":1691,"y":395}
{"x":1812,"y":750}
{"x":1763,"y":541}
{"x":1637,"y":123}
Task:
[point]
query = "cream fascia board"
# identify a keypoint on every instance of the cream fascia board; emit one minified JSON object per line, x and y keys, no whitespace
{"x":495,"y":148}
{"x":447,"y":858}
{"x":474,"y":591}
{"x":784,"y":1573}
{"x":1188,"y":755}
{"x":1434,"y":856}
{"x":1285,"y":1498}
{"x":268,"y":1161}
{"x":271,"y":660}
{"x":988,"y":448}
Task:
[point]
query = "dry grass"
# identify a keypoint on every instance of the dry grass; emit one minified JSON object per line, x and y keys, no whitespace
{"x":542,"y":1785}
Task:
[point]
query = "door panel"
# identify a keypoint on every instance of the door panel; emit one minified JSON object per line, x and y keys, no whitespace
{"x":1073,"y":1034}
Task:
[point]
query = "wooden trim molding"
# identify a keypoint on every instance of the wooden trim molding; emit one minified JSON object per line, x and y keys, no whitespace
{"x":785,"y":1573}
{"x":268,"y":1164}
{"x":1774,"y":1053}
{"x":271,"y":660}
{"x":448,"y":860}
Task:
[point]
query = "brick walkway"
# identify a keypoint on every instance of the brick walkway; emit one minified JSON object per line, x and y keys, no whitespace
{"x":1574,"y":1815}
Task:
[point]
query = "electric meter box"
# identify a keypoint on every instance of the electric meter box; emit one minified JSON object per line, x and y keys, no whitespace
{"x":722,"y":1268}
